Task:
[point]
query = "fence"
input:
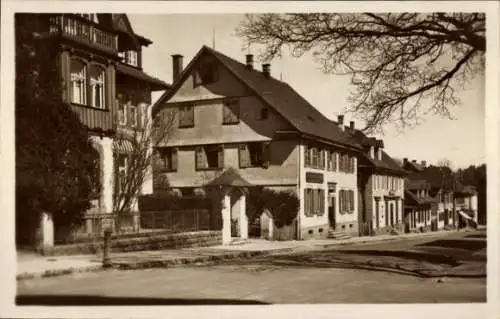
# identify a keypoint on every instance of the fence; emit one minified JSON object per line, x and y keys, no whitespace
{"x":132,"y":224}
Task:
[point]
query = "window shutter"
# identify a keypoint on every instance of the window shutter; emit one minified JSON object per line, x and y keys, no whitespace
{"x":199,"y":158}
{"x":220,"y":156}
{"x":351,"y":200}
{"x":306,"y":203}
{"x":321,"y":158}
{"x":314,"y":202}
{"x":225,"y":112}
{"x":341,"y":200}
{"x":190,"y":115}
{"x":307,"y":156}
{"x":266,"y":156}
{"x":243,"y":156}
{"x":173,"y":164}
{"x":321,"y":202}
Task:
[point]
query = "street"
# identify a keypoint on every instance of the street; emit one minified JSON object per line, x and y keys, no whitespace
{"x":436,"y":269}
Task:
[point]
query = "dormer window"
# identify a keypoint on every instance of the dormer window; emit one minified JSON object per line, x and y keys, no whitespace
{"x":130,"y":57}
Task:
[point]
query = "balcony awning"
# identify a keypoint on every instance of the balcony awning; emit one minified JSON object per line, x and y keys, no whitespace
{"x":155,"y":84}
{"x":123,"y":146}
{"x":464,"y":215}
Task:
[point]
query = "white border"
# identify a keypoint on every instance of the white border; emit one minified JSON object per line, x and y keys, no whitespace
{"x":7,"y":251}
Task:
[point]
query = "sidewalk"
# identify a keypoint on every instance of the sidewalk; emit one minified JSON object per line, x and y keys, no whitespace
{"x":33,"y":266}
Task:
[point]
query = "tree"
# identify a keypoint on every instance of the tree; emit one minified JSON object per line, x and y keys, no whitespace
{"x":145,"y":139}
{"x":56,"y":165}
{"x":397,"y":61}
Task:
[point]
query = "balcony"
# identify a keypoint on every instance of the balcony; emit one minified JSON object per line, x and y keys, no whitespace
{"x":85,"y":32}
{"x":95,"y":119}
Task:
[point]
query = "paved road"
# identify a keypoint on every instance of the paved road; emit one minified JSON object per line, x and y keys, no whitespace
{"x":346,"y":275}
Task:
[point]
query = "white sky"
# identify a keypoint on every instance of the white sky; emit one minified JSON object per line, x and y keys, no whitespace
{"x":460,"y":140}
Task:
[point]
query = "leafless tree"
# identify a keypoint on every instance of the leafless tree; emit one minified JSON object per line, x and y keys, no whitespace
{"x":402,"y":65}
{"x":144,"y":138}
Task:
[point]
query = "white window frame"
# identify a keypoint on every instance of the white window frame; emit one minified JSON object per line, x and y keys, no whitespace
{"x":122,"y":115}
{"x":98,"y":84}
{"x":133,"y":115}
{"x":79,"y":80}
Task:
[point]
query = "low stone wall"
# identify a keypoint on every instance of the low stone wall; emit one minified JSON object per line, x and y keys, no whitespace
{"x":151,"y":242}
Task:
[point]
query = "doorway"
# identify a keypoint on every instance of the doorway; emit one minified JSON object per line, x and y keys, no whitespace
{"x":331,"y":212}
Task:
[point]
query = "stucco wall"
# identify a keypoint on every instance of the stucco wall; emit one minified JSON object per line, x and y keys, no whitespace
{"x":346,"y":181}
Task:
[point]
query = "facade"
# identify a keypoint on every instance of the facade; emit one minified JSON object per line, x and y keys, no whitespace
{"x":466,"y":206}
{"x":99,"y":58}
{"x":231,"y":117}
{"x":381,"y":185}
{"x":418,"y":206}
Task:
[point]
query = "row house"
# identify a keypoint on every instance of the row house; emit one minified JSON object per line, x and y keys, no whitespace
{"x":231,"y":119}
{"x":99,"y":58}
{"x":381,"y":185}
{"x":418,"y":206}
{"x":442,"y":193}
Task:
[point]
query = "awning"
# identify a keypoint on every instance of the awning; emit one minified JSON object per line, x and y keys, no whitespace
{"x":123,"y":146}
{"x":464,"y":215}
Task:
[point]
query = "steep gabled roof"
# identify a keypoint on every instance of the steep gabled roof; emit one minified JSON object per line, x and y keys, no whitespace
{"x":122,"y":23}
{"x":278,"y":95}
{"x":413,"y":200}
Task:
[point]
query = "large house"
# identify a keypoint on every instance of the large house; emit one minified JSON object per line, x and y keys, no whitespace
{"x":234,"y":120}
{"x":100,"y":62}
{"x":381,"y":183}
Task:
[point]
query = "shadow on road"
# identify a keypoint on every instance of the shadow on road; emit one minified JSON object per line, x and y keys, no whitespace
{"x":406,"y":254}
{"x":456,"y":243}
{"x":84,"y":300}
{"x":476,"y":236}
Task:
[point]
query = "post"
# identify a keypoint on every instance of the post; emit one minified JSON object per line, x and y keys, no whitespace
{"x":106,"y":260}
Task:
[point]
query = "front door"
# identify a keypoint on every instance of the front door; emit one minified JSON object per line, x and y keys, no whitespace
{"x":331,"y":212}
{"x":392,"y":214}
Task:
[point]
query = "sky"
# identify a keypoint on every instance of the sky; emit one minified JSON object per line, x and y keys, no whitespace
{"x":461,"y":140}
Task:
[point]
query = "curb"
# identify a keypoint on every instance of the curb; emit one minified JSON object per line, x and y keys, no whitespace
{"x":165,"y":263}
{"x":57,"y":272}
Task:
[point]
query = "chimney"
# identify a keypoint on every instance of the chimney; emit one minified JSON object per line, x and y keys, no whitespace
{"x":372,"y":151}
{"x":176,"y":66}
{"x":423,"y":163}
{"x":266,"y":69}
{"x":414,"y":161}
{"x":379,"y":153}
{"x":249,"y":61}
{"x":351,"y":125}
{"x":340,"y":121}
{"x":405,"y":161}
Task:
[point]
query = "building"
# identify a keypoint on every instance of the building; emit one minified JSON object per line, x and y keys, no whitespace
{"x":99,"y":57}
{"x":466,"y":206}
{"x":231,"y":116}
{"x":381,"y":188}
{"x":418,"y":206}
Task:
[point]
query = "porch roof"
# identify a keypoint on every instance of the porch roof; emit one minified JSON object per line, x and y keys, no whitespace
{"x":230,"y":177}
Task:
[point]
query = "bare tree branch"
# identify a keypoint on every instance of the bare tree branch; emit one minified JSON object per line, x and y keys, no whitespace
{"x":399,"y":63}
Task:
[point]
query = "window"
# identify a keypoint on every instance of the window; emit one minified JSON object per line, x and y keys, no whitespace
{"x":264,"y":113}
{"x":231,"y":111}
{"x":130,"y":57}
{"x":122,"y":172}
{"x":206,"y":74}
{"x":97,"y":96}
{"x":254,"y":154}
{"x":209,"y":157}
{"x":346,"y":201}
{"x":78,"y":81}
{"x":122,"y":113}
{"x":133,"y":115}
{"x":168,"y":157}
{"x":307,"y":156}
{"x":186,"y":116}
{"x":314,"y":201}
{"x":334,"y":161}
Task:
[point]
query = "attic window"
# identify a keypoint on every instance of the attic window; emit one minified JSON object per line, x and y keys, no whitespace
{"x":264,"y":113}
{"x":206,"y":74}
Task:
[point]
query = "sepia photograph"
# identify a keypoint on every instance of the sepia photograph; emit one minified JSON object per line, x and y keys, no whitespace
{"x":250,"y":158}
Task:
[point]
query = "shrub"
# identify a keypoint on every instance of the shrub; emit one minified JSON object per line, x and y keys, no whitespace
{"x":283,"y":205}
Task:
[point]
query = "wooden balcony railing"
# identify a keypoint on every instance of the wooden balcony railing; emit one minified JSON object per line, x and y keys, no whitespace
{"x":85,"y":32}
{"x":95,"y":119}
